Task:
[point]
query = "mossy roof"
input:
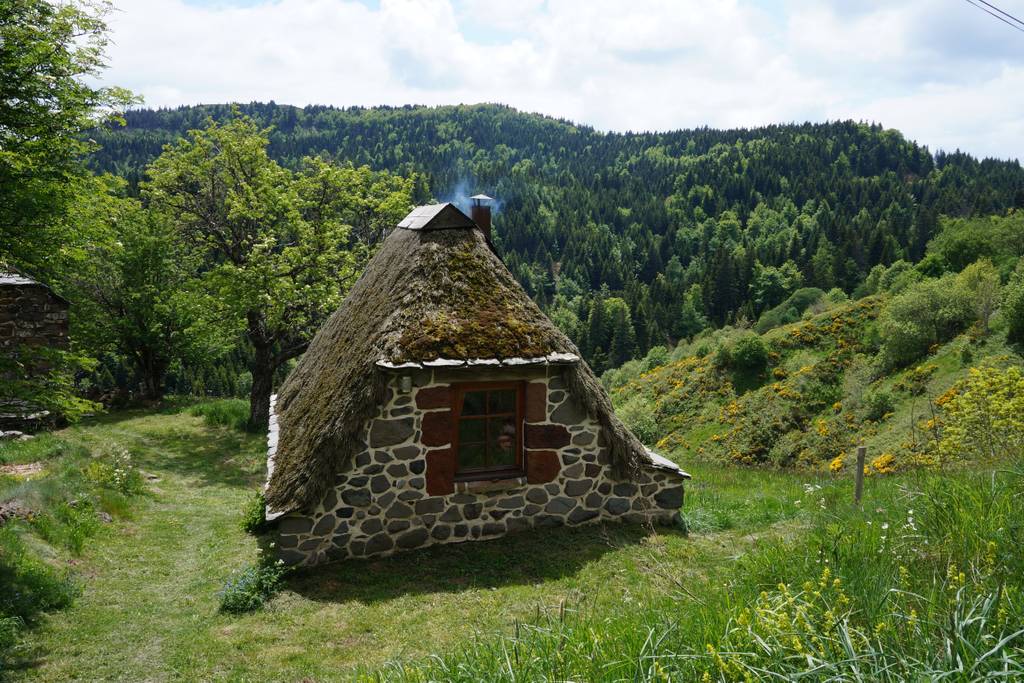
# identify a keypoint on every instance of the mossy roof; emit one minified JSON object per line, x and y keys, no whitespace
{"x":427,"y":294}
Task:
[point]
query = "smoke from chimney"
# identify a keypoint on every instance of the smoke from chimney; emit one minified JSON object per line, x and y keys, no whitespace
{"x":480,"y":212}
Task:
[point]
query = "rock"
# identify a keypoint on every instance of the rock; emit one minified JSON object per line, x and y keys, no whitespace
{"x":541,"y":466}
{"x":581,"y":515}
{"x":536,"y":402}
{"x":413,"y":539}
{"x":390,"y":432}
{"x":371,"y":526}
{"x":578,"y":487}
{"x":560,"y":506}
{"x":429,"y":506}
{"x":381,"y":543}
{"x":399,"y":511}
{"x":569,"y":413}
{"x":294,"y":525}
{"x":546,"y":436}
{"x":398,"y":525}
{"x":670,"y":499}
{"x":617,"y":506}
{"x":407,"y":452}
{"x":441,"y":532}
{"x":325,"y":525}
{"x":437,"y":428}
{"x":379,"y":484}
{"x":538,"y":496}
{"x":430,"y":398}
{"x":356,"y":497}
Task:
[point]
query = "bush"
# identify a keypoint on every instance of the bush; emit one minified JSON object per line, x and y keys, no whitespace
{"x":637,"y":414}
{"x":929,"y":312}
{"x":1013,"y":305}
{"x":254,"y":514}
{"x":790,"y":310}
{"x":115,"y":471}
{"x":747,"y":353}
{"x":984,"y":416}
{"x":228,"y":412}
{"x":878,"y":404}
{"x":249,"y":588}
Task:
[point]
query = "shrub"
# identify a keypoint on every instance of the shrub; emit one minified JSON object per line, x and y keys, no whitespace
{"x":790,"y":310}
{"x":228,"y":412}
{"x":1013,"y":305}
{"x":115,"y":471}
{"x":984,"y":416}
{"x":249,"y":588}
{"x":927,"y":313}
{"x":637,"y":414}
{"x":254,"y":514}
{"x":878,"y":404}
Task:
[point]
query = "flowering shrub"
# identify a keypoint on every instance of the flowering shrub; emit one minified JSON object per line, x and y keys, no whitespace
{"x":984,"y":416}
{"x":115,"y":471}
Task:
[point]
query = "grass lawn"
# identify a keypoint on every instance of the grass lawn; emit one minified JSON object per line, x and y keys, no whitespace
{"x":148,"y":608}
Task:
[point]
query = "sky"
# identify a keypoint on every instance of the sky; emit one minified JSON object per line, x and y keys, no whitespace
{"x":941,"y":71}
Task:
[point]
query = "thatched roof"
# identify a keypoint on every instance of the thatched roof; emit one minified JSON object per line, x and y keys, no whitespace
{"x":428,"y":294}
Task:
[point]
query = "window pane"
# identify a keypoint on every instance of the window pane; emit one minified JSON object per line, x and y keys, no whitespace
{"x":502,"y":401}
{"x":472,"y":455}
{"x":471,"y":431}
{"x":473,"y":402}
{"x":501,"y":441}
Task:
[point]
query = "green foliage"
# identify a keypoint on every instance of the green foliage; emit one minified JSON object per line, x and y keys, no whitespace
{"x":983,"y":417}
{"x":927,"y":313}
{"x":250,"y":587}
{"x":115,"y":471}
{"x":254,"y":514}
{"x":43,"y":378}
{"x":790,"y":310}
{"x":923,"y":585}
{"x":980,"y":284}
{"x":963,"y":241}
{"x":133,"y":293}
{"x":746,"y":353}
{"x":878,"y":404}
{"x":28,"y":587}
{"x":284,"y":246}
{"x":1013,"y":305}
{"x":229,"y":412}
{"x":51,"y":58}
{"x":740,"y":215}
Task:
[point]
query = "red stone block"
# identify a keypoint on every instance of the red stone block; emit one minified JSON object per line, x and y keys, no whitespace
{"x":542,"y":466}
{"x":546,"y":436}
{"x":437,"y":428}
{"x":430,"y":398}
{"x":440,"y":472}
{"x":536,"y":402}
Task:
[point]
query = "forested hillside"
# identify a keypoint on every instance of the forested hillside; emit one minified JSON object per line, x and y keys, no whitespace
{"x":639,"y":239}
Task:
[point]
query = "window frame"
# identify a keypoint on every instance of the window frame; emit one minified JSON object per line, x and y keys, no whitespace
{"x":459,"y":391}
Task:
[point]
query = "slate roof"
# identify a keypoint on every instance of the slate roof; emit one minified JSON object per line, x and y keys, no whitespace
{"x":436,"y":217}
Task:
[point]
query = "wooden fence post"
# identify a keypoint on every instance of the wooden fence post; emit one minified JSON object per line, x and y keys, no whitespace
{"x":862,"y":452}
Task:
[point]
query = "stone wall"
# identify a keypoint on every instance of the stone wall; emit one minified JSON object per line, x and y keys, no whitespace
{"x":31,"y":315}
{"x":400,"y":493}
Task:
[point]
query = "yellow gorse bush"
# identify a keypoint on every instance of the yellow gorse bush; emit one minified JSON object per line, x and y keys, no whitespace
{"x":985,"y":417}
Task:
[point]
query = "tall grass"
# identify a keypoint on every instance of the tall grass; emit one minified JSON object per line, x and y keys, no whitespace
{"x":226,"y":412}
{"x":924,"y":583}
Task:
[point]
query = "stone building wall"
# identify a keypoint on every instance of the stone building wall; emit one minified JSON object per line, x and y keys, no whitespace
{"x":31,"y":315}
{"x":397,"y":495}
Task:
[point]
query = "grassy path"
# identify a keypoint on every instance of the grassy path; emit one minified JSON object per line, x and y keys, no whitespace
{"x":148,"y":610}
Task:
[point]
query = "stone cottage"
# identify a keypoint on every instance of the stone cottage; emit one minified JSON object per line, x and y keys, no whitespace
{"x":32,"y":316}
{"x":438,"y":404}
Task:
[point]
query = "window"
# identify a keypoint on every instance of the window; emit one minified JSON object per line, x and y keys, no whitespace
{"x":488,"y":425}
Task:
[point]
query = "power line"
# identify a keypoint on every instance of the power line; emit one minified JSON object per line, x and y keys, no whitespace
{"x":1007,"y":14}
{"x":989,"y":12}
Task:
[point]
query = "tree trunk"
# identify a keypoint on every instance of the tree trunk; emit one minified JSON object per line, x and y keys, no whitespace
{"x":152,"y":374}
{"x":262,"y":373}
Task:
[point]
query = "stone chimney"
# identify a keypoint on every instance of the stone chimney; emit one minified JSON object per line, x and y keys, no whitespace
{"x":480,"y":212}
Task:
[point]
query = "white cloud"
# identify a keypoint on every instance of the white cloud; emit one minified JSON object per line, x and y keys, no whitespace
{"x":947,"y":76}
